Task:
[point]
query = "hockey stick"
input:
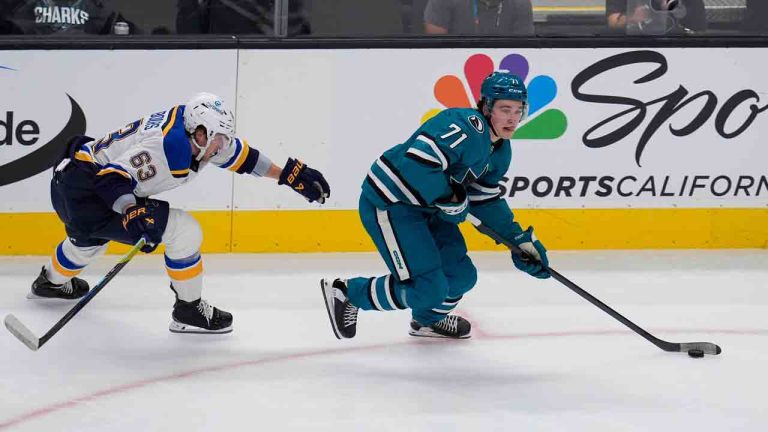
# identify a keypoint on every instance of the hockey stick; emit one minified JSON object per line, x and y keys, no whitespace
{"x":704,"y":347}
{"x":25,"y":335}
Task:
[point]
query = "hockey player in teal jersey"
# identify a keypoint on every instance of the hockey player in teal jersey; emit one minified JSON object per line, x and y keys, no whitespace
{"x":412,"y":201}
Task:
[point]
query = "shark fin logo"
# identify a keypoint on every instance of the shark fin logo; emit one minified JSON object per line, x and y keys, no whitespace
{"x":543,"y":122}
{"x":45,"y":156}
{"x":476,"y":123}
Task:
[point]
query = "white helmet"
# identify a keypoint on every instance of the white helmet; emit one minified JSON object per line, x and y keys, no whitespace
{"x":209,"y":111}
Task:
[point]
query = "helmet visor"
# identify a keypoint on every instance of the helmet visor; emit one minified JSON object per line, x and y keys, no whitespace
{"x":219,"y":142}
{"x":213,"y":146}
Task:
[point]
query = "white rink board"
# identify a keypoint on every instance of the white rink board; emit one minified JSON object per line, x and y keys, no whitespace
{"x":113,"y":88}
{"x":339,"y":109}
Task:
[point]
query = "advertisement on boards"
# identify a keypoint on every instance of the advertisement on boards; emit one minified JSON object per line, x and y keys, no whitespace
{"x":608,"y":128}
{"x":48,"y":98}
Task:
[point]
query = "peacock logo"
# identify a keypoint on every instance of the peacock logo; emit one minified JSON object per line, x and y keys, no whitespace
{"x":542,"y":123}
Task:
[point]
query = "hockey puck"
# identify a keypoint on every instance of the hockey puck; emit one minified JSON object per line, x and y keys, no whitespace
{"x":695,"y":353}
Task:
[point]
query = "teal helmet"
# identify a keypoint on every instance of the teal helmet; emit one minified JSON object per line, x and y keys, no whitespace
{"x":503,"y":84}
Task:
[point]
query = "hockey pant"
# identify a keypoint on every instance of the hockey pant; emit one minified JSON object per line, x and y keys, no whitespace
{"x":427,"y":259}
{"x":90,"y":225}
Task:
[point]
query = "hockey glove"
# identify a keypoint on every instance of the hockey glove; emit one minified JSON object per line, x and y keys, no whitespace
{"x":534,"y":257}
{"x":140,"y":221}
{"x":307,"y":181}
{"x":455,"y":208}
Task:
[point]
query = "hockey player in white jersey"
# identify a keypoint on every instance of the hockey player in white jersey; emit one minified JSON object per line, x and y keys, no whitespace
{"x":101,"y":190}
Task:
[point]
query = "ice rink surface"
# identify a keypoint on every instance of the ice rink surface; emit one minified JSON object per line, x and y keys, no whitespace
{"x":540,"y":359}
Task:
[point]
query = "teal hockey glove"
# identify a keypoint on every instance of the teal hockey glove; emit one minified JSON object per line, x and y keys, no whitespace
{"x":455,"y":208}
{"x":534,"y":258}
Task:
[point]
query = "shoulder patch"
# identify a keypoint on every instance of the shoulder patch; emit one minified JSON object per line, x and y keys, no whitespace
{"x":476,"y":123}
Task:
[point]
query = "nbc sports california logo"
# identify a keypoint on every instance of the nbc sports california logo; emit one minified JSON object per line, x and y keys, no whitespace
{"x":544,"y":122}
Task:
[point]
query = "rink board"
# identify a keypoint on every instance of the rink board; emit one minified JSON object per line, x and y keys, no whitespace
{"x":624,"y":148}
{"x":341,"y":230}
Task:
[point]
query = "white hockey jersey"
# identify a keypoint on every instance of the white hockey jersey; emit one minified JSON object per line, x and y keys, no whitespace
{"x":155,"y":154}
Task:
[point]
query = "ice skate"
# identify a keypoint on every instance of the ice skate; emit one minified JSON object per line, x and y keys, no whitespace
{"x":72,"y":289}
{"x":452,"y":326}
{"x":199,"y":317}
{"x":341,"y":312}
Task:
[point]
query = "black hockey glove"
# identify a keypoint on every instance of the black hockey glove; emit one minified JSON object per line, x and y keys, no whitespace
{"x":141,"y":221}
{"x":305,"y":180}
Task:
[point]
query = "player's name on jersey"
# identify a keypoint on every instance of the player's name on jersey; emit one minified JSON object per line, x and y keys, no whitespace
{"x":155,"y":120}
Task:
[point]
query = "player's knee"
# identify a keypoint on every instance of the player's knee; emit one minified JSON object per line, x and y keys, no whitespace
{"x":462,"y":277}
{"x":428,"y":290}
{"x":183,"y":236}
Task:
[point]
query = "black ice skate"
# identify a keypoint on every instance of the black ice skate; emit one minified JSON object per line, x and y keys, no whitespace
{"x":69,"y":290}
{"x":341,"y":312}
{"x":199,"y":317}
{"x":452,"y":326}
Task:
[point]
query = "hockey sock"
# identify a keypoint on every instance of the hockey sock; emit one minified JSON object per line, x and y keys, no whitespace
{"x":69,"y":260}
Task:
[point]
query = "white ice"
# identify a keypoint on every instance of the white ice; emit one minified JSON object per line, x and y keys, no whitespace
{"x":540,"y":359}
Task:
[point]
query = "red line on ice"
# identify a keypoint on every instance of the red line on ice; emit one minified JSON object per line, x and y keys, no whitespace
{"x":478,"y":334}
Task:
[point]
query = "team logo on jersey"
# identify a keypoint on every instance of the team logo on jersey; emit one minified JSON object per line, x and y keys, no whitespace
{"x":543,"y":122}
{"x":476,"y":123}
{"x":44,"y":156}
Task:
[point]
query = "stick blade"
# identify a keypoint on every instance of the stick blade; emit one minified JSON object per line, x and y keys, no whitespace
{"x":22,"y":333}
{"x":705,"y":347}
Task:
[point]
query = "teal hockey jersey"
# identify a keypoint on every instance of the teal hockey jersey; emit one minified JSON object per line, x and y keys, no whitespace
{"x":454,"y":146}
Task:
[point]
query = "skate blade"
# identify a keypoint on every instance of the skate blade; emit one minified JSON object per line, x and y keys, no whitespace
{"x":327,"y":289}
{"x":430,"y":334}
{"x":177,"y":327}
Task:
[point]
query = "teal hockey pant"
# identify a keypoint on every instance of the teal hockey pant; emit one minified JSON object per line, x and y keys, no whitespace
{"x":427,"y":260}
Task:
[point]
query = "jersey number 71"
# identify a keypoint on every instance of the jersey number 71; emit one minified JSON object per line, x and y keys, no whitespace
{"x":454,"y":130}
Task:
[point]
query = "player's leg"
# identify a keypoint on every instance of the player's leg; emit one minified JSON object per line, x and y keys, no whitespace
{"x":77,"y":209}
{"x":416,"y":280}
{"x":182,"y":237}
{"x":58,"y":278}
{"x":183,"y":262}
{"x":461,"y":275}
{"x":458,"y":267}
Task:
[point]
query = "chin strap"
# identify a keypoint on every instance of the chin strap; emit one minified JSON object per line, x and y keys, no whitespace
{"x":201,"y":151}
{"x":490,"y":124}
{"x":488,"y":120}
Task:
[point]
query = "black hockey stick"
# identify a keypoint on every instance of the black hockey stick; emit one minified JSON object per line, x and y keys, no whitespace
{"x":703,"y":347}
{"x":25,"y":335}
